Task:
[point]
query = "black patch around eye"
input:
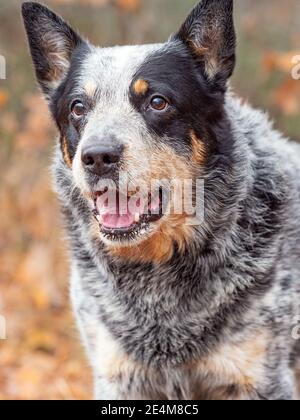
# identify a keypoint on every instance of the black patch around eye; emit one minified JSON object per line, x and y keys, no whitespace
{"x":72,"y":136}
{"x":174,"y":73}
{"x":60,"y":104}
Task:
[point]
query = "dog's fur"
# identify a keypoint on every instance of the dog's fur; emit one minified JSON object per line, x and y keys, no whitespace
{"x":181,"y":311}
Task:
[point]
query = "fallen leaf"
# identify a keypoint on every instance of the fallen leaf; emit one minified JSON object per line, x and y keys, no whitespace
{"x":287,"y":97}
{"x":279,"y":61}
{"x":4,"y":97}
{"x":128,"y":5}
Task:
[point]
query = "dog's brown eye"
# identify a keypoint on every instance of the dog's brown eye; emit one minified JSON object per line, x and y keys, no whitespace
{"x":78,"y":109}
{"x":158,"y":103}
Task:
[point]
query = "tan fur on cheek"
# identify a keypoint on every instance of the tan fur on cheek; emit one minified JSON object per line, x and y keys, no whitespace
{"x":65,"y":151}
{"x":141,"y":87}
{"x":199,"y":152}
{"x":166,"y":164}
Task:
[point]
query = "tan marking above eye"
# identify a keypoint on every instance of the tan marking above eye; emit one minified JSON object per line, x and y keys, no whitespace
{"x":90,"y":88}
{"x":141,"y":87}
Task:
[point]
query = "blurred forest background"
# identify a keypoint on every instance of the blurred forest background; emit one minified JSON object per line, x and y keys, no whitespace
{"x":42,"y":357}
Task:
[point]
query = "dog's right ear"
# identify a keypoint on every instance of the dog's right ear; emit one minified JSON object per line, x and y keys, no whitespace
{"x":52,"y":43}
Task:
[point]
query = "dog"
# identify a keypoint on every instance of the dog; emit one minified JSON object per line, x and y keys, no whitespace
{"x":173,"y":305}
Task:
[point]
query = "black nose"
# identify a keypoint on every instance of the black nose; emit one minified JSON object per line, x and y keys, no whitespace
{"x":101,"y":160}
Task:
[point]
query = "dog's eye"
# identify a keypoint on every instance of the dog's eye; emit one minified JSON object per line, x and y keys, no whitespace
{"x":158,"y":103}
{"x":78,"y":109}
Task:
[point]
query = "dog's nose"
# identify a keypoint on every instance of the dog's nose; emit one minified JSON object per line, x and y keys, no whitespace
{"x":101,"y":160}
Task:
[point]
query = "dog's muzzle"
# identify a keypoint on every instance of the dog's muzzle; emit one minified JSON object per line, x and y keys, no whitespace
{"x":101,"y":157}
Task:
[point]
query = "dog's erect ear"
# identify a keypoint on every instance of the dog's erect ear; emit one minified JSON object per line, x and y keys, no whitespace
{"x":52,"y":43}
{"x":209,"y":33}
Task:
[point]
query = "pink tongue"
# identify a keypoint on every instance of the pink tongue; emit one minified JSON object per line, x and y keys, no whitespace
{"x":110,"y":214}
{"x":112,"y":221}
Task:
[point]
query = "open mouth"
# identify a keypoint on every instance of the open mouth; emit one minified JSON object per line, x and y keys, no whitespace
{"x":122,"y":217}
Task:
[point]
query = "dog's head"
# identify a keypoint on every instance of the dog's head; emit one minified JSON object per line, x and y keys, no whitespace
{"x":134,"y":119}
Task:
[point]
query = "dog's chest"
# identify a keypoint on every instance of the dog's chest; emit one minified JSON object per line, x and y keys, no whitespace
{"x":231,"y":371}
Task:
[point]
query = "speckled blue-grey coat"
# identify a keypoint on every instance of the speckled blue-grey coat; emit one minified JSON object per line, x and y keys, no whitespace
{"x":170,"y":310}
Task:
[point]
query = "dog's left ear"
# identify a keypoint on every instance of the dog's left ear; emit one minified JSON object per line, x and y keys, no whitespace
{"x":52,"y":43}
{"x":210,"y":35}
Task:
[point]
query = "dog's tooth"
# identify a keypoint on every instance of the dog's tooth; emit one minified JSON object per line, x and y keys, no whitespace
{"x":97,"y":216}
{"x":137,"y":217}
